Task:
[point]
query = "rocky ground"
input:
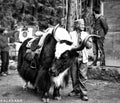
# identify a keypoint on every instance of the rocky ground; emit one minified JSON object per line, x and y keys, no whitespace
{"x":11,"y":91}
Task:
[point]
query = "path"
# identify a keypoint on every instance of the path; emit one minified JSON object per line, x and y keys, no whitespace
{"x":98,"y":91}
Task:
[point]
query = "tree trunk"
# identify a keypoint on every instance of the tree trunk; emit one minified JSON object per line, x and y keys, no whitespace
{"x":70,"y":15}
{"x":35,"y":9}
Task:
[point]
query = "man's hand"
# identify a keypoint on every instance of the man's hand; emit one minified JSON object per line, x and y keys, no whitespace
{"x":89,"y":44}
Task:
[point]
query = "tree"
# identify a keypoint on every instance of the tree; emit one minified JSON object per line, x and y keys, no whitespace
{"x":70,"y":15}
{"x":43,"y":12}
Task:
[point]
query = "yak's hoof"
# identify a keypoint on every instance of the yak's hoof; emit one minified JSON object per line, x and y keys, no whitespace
{"x":30,"y":86}
{"x":45,"y":100}
{"x":57,"y":98}
{"x":25,"y":87}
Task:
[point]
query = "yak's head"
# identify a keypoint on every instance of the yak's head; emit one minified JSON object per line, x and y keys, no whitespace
{"x":64,"y":58}
{"x":65,"y":54}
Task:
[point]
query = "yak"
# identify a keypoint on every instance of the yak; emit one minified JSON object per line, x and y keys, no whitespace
{"x":51,"y":63}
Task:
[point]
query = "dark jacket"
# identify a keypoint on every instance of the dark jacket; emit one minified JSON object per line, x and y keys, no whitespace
{"x":100,"y":26}
{"x":4,"y":40}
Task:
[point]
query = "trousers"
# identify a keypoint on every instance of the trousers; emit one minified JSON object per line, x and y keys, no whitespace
{"x":5,"y":61}
{"x":79,"y":76}
{"x":99,"y":47}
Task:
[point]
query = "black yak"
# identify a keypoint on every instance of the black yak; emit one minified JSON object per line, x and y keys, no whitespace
{"x":52,"y":63}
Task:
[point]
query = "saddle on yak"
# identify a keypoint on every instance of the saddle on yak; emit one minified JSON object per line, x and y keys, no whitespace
{"x":34,"y":47}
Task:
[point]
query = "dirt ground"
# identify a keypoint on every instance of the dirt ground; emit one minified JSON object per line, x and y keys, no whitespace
{"x":11,"y":91}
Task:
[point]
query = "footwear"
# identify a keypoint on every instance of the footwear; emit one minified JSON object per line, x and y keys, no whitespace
{"x":7,"y":73}
{"x":74,"y":93}
{"x":3,"y":74}
{"x":84,"y":97}
{"x":94,"y":64}
{"x":102,"y":64}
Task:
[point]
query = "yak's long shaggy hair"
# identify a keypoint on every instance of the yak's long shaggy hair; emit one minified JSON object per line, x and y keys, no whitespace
{"x":44,"y":62}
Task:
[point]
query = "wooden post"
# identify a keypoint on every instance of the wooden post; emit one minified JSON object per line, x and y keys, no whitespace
{"x":102,"y":7}
{"x":91,"y":12}
{"x":80,"y":3}
{"x":63,"y":8}
{"x":66,"y":14}
{"x":66,"y":7}
{"x":91,"y":6}
{"x":70,"y":15}
{"x":76,"y":4}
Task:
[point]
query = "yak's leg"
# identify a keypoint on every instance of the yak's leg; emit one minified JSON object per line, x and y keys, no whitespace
{"x":25,"y":86}
{"x":45,"y":97}
{"x":30,"y":86}
{"x":56,"y":93}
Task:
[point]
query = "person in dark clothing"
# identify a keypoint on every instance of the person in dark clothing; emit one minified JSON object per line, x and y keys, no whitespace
{"x":79,"y":68}
{"x":4,"y":50}
{"x":100,"y":28}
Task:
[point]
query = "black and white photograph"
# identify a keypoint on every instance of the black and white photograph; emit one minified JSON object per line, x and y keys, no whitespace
{"x":59,"y":51}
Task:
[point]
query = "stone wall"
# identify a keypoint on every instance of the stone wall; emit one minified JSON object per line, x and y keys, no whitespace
{"x":111,"y":74}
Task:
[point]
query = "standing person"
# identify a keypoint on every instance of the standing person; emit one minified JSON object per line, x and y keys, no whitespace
{"x":79,"y":68}
{"x":100,"y":28}
{"x":4,"y":50}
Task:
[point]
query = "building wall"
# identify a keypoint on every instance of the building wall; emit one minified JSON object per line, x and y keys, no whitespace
{"x":112,"y":42}
{"x":112,"y":13}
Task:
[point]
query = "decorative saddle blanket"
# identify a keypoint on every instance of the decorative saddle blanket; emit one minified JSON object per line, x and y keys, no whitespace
{"x":36,"y":43}
{"x":35,"y":46}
